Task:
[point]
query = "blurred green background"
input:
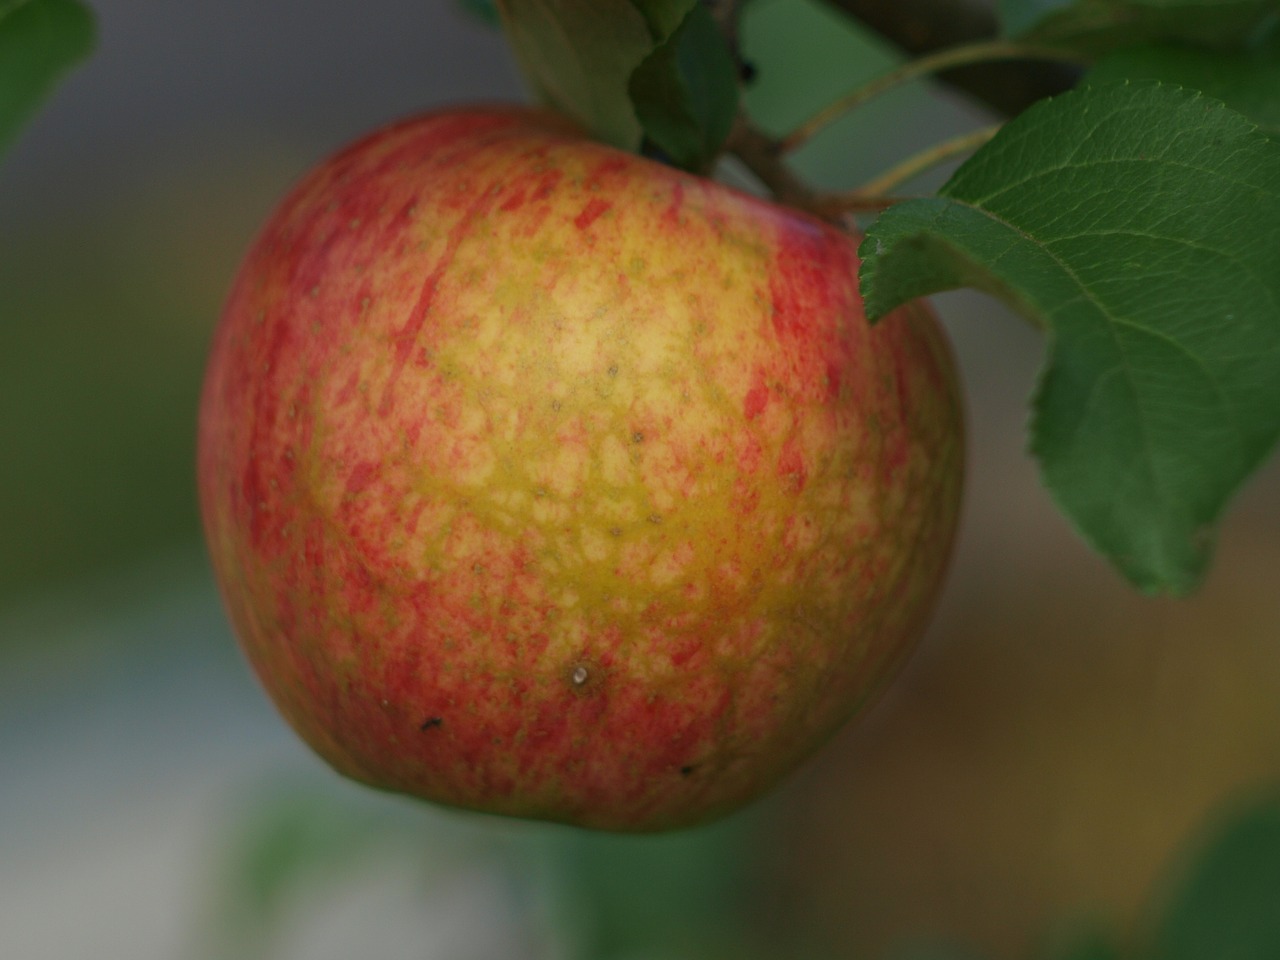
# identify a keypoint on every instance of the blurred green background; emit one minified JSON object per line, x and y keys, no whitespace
{"x":1029,"y":776}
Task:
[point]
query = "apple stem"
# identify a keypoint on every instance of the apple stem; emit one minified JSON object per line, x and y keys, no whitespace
{"x":759,"y":153}
{"x":875,"y":193}
{"x":982,"y":52}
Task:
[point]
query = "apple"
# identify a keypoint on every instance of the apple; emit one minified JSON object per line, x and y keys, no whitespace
{"x":542,"y":479}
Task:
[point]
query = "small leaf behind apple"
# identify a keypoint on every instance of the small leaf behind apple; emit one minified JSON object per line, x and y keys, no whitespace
{"x":630,"y":71}
{"x":1139,"y":225}
{"x":686,"y":92}
{"x":579,"y":56}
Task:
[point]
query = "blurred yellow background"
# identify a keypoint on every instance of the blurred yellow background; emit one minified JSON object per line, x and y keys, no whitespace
{"x":1054,"y":743}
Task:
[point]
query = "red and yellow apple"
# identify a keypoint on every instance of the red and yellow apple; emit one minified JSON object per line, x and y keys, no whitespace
{"x":543,"y":479}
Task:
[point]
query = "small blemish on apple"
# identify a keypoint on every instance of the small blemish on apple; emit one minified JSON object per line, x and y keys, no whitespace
{"x":584,"y":679}
{"x":431,"y":723}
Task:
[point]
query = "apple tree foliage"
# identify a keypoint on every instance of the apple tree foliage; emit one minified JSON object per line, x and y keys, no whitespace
{"x":1135,"y":220}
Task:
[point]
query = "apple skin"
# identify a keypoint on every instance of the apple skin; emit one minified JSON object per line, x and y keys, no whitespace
{"x":545,"y":480}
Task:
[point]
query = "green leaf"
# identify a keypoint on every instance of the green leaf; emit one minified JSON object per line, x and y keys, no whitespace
{"x":1229,"y":905}
{"x":685,"y":93}
{"x":1140,"y":226}
{"x":630,"y":69}
{"x":579,"y":56}
{"x":1247,"y":80}
{"x":1095,"y":26}
{"x":40,"y":40}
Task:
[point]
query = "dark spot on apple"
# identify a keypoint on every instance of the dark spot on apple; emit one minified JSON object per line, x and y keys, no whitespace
{"x":615,"y":531}
{"x":687,"y":770}
{"x":431,"y":723}
{"x":613,"y":369}
{"x":637,"y":437}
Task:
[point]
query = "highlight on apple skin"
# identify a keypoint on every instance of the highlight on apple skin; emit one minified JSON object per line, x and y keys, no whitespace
{"x":544,"y":480}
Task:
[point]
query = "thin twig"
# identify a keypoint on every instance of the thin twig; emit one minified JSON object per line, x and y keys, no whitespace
{"x":984,"y":52}
{"x":916,"y":164}
{"x":919,"y":27}
{"x":759,"y":153}
{"x":922,"y":26}
{"x":837,"y":206}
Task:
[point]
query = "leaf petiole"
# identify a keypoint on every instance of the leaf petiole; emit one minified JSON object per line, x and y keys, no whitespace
{"x":982,"y":52}
{"x":873,"y":193}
